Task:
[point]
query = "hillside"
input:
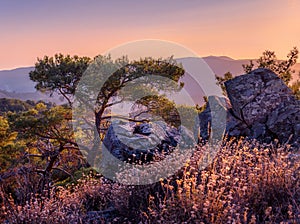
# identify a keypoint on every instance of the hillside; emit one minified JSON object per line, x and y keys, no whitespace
{"x":34,"y":96}
{"x":16,"y":80}
{"x":15,"y":105}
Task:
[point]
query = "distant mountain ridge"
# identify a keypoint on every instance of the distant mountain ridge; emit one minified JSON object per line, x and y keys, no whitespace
{"x":16,"y":83}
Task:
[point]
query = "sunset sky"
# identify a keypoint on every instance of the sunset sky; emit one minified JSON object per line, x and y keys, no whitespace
{"x":235,"y":28}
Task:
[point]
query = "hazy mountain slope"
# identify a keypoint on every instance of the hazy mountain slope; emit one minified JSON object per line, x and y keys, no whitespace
{"x":221,"y":65}
{"x":16,"y":80}
{"x":17,"y":84}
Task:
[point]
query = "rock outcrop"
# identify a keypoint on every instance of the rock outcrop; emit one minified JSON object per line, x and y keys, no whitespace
{"x":145,"y":142}
{"x":260,"y":106}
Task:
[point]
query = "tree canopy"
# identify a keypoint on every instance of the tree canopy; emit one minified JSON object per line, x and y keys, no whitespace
{"x":60,"y":74}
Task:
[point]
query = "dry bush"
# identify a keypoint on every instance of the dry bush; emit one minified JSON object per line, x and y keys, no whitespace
{"x":247,"y":182}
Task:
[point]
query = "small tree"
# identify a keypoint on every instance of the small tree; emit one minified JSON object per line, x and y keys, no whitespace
{"x":48,"y":136}
{"x":281,"y":67}
{"x":221,"y":80}
{"x":103,"y":86}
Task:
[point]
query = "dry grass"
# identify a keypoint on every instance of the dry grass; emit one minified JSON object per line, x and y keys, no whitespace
{"x":246,"y":183}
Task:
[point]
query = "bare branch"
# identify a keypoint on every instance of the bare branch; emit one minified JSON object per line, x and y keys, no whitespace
{"x":35,"y":155}
{"x":66,"y":172}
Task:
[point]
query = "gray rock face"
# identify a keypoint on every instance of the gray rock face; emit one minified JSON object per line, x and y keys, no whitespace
{"x":260,"y":106}
{"x":225,"y":121}
{"x":284,"y":122}
{"x":145,"y":142}
{"x":253,"y":96}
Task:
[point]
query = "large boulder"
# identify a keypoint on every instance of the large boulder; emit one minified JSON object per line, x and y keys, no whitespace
{"x":260,"y":106}
{"x":144,"y":142}
{"x":255,"y":95}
